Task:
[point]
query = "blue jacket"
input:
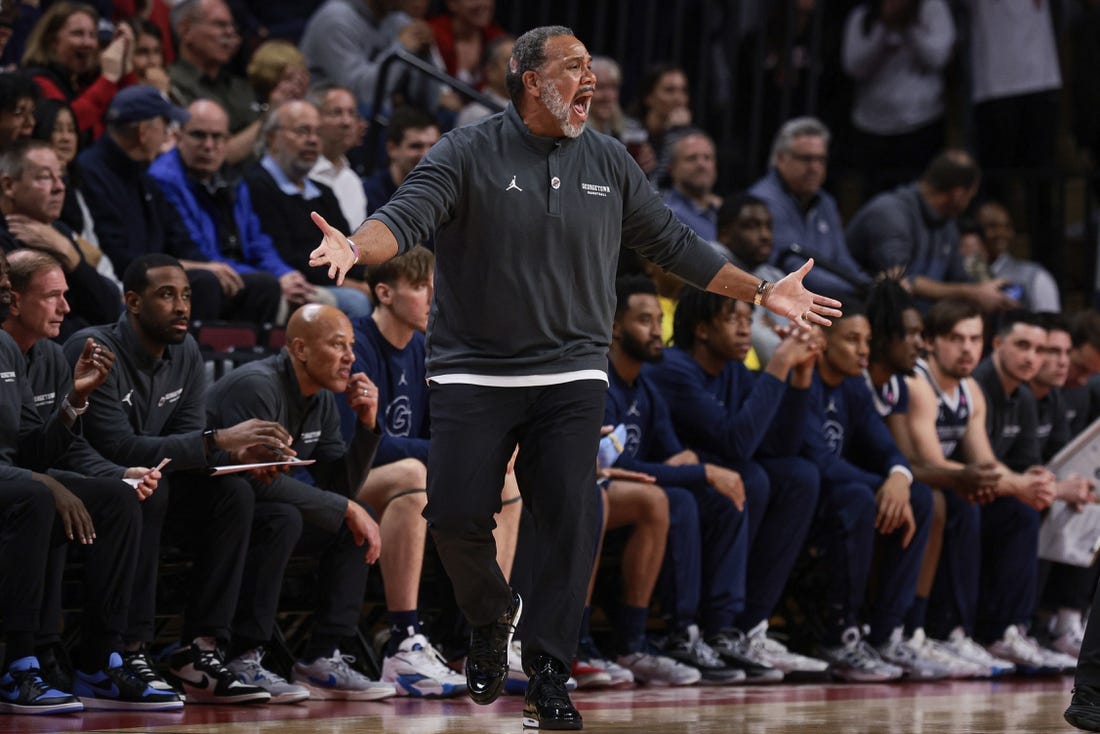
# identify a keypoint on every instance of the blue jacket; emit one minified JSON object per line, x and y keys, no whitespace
{"x":650,"y":438}
{"x":132,"y":217}
{"x":846,"y":437}
{"x":730,"y":417}
{"x":195,"y":209}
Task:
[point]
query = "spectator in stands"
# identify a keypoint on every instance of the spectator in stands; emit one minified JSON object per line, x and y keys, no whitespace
{"x":341,"y":130}
{"x":1015,"y":77}
{"x":208,"y":41}
{"x":605,"y":114}
{"x":494,"y":67}
{"x":663,"y":111}
{"x":410,"y":134}
{"x":220,"y":220}
{"x":31,"y":193}
{"x":1037,"y":290}
{"x":896,"y":52}
{"x":745,"y":231}
{"x":693,"y":171}
{"x":750,"y":423}
{"x":9,"y":14}
{"x":92,"y":502}
{"x":283,"y":195}
{"x":806,"y":221}
{"x":18,"y":95}
{"x":148,"y":55}
{"x":299,"y":387}
{"x":1009,"y":572}
{"x":133,"y":216}
{"x":462,"y":35}
{"x":261,"y":19}
{"x":913,"y":228}
{"x":151,"y":408}
{"x":55,"y":123}
{"x":277,"y":72}
{"x":345,"y":40}
{"x":63,"y":55}
{"x":867,"y":489}
{"x":28,"y":510}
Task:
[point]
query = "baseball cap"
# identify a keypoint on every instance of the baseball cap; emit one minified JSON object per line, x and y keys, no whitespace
{"x":143,"y":102}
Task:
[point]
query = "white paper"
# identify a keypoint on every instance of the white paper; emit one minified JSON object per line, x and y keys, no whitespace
{"x":217,"y":471}
{"x":1070,"y":537}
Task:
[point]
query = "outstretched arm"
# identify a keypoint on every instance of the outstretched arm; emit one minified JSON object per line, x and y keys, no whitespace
{"x":373,"y":242}
{"x":787,"y":297}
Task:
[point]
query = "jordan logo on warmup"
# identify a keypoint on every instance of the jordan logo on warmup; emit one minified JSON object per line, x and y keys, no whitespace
{"x":513,"y":185}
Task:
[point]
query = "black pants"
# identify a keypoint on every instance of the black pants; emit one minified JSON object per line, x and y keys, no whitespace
{"x":258,"y":301}
{"x":26,"y":516}
{"x":210,"y":518}
{"x":109,"y":564}
{"x":1088,"y":664}
{"x":474,"y":430}
{"x":278,"y":532}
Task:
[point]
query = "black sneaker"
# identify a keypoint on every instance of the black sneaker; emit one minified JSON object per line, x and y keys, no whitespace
{"x":22,"y":691}
{"x":1084,"y":708}
{"x":117,"y":688}
{"x":734,"y":649}
{"x":487,"y":660}
{"x":689,"y":648}
{"x":205,"y":679}
{"x":136,"y":662}
{"x":55,"y":669}
{"x":546,"y":703}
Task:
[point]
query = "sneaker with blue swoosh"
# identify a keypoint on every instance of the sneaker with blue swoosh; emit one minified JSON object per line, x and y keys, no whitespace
{"x":23,"y":691}
{"x":249,"y":669}
{"x":416,"y":669}
{"x":333,"y":679}
{"x":119,"y":689}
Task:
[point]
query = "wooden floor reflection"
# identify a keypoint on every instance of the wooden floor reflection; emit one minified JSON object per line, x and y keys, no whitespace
{"x":951,"y":708}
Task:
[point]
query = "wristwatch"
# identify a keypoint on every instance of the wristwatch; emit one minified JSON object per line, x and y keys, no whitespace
{"x":210,"y":440}
{"x":71,"y":410}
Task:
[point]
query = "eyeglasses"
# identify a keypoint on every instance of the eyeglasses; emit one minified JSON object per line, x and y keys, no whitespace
{"x":224,"y":26}
{"x":302,"y":131}
{"x":201,"y":136}
{"x":808,"y":158}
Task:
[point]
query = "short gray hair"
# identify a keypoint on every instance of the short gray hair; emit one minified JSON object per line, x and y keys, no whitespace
{"x":528,"y":54}
{"x":182,"y":12}
{"x":798,"y":127}
{"x":318,"y":95}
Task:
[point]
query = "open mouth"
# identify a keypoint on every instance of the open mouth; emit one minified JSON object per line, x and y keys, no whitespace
{"x":581,"y":103}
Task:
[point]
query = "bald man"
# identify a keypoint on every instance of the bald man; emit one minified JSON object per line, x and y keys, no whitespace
{"x":304,"y":513}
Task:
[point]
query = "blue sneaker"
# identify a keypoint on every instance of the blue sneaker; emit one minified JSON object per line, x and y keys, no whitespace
{"x":22,"y":691}
{"x":119,"y":689}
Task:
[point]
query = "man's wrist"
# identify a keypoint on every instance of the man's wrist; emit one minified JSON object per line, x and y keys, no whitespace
{"x":354,"y":248}
{"x":210,"y":440}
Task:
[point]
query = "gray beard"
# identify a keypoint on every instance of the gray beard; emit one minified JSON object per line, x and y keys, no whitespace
{"x":558,"y":107}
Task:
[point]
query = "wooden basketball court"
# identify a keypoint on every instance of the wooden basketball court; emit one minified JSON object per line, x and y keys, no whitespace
{"x":1020,"y":706}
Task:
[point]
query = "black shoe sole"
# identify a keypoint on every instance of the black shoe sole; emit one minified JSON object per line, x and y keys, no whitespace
{"x":1083,"y":717}
{"x":531,"y":721}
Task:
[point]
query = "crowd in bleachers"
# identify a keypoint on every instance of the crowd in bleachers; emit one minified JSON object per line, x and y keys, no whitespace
{"x":861,"y":501}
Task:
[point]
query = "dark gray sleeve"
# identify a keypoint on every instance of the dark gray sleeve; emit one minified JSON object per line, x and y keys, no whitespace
{"x":426,"y":198}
